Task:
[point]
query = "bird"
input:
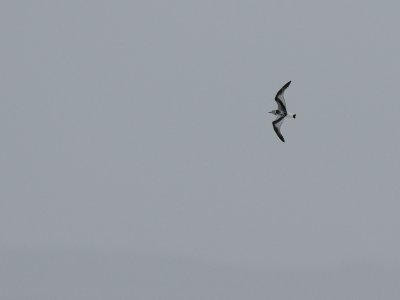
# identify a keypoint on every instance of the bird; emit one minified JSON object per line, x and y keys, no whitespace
{"x":281,"y":112}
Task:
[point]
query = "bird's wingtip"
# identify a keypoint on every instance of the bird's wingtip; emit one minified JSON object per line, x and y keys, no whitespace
{"x":287,"y":85}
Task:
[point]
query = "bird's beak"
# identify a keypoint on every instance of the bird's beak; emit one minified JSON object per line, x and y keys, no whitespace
{"x":271,"y":111}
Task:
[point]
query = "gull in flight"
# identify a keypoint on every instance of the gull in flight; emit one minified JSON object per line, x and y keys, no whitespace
{"x":281,"y":112}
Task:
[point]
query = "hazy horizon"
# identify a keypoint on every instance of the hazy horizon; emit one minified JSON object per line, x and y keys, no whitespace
{"x":142,"y":127}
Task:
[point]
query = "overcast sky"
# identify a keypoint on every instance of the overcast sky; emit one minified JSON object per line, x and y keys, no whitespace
{"x":142,"y":126}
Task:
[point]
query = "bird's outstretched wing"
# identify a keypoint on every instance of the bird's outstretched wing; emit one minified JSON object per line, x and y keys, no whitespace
{"x":277,"y":127}
{"x":280,"y":99}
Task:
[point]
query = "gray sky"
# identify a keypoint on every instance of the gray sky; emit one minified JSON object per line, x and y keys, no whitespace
{"x":142,"y":126}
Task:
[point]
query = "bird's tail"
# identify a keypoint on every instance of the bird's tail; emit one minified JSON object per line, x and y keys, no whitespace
{"x":294,"y":116}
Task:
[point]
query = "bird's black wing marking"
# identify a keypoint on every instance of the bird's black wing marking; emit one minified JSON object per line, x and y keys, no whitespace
{"x":280,"y":99}
{"x":277,"y":127}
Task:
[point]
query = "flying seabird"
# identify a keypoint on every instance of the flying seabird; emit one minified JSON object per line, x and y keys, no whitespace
{"x":281,"y":112}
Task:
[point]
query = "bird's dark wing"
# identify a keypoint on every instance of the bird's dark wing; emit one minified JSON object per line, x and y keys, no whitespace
{"x":280,"y":99}
{"x":277,"y":127}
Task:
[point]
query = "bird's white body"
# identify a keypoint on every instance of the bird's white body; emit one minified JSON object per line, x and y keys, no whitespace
{"x":290,"y":115}
{"x":283,"y":114}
